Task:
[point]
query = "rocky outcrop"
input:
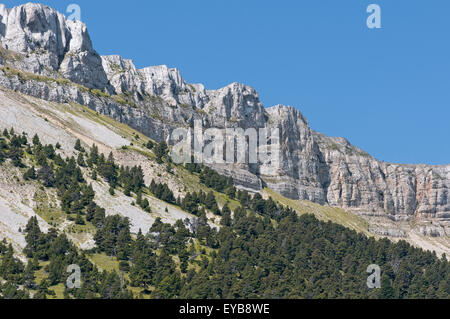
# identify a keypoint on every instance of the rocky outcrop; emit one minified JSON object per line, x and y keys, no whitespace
{"x":51,"y":45}
{"x":359,"y":181}
{"x":233,"y":105}
{"x":153,"y":81}
{"x":303,"y":173}
{"x":157,"y":99}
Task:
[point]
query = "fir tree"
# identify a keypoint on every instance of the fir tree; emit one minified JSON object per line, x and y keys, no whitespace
{"x":78,"y":146}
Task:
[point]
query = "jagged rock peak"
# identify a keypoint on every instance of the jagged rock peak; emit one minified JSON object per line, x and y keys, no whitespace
{"x":51,"y":45}
{"x":233,"y":102}
{"x":160,"y":80}
{"x":281,"y":111}
{"x":32,"y":26}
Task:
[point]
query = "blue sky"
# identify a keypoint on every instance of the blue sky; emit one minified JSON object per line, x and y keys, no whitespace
{"x":387,"y":90}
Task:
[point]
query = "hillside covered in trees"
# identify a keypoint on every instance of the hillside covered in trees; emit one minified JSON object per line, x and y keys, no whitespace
{"x":262,"y":249}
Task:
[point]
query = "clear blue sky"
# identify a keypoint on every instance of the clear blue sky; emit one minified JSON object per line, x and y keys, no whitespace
{"x":387,"y":91}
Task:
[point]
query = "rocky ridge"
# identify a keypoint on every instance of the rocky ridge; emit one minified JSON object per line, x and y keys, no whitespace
{"x":48,"y":57}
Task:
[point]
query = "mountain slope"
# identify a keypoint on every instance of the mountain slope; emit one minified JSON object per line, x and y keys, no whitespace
{"x":55,"y":123}
{"x":65,"y":123}
{"x":52,"y":59}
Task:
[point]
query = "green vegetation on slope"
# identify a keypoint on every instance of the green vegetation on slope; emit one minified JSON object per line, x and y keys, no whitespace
{"x":262,"y":249}
{"x":325,"y":213}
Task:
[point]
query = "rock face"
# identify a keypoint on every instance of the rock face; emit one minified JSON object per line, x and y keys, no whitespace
{"x":303,"y":173}
{"x":152,"y":81}
{"x":155,"y":100}
{"x":359,"y":181}
{"x":51,"y":45}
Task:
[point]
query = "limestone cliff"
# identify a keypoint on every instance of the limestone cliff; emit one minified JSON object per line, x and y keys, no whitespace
{"x":48,"y":57}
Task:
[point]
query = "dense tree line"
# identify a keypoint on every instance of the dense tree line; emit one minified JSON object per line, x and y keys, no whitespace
{"x":113,"y":237}
{"x":196,"y":202}
{"x":301,"y":257}
{"x":214,"y":180}
{"x":162,"y":191}
{"x":210,"y":178}
{"x":305,"y":258}
{"x":58,"y":253}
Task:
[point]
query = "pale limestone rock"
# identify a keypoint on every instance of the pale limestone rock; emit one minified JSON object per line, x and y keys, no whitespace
{"x":51,"y":45}
{"x":160,"y":81}
{"x":325,"y":170}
